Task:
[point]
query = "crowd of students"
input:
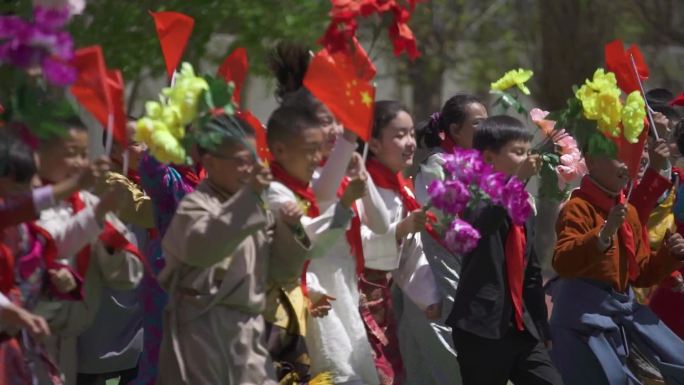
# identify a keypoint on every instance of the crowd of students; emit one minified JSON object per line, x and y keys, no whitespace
{"x":321,"y":267}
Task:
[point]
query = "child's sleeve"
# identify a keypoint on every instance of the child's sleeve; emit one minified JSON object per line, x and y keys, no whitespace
{"x":334,"y":171}
{"x":381,"y":251}
{"x":119,"y":269}
{"x":577,"y":248}
{"x":415,"y":277}
{"x":324,"y":230}
{"x":372,"y":210}
{"x":654,"y":266}
{"x":16,"y":210}
{"x":201,"y":236}
{"x":73,"y":234}
{"x":430,"y":171}
{"x":646,"y":194}
{"x":535,"y":294}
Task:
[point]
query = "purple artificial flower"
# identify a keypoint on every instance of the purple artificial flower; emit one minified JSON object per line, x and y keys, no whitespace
{"x":41,"y":43}
{"x":58,"y":73}
{"x":493,"y":185}
{"x":461,"y":237}
{"x":451,"y":196}
{"x":50,"y":19}
{"x":466,"y":166}
{"x":516,"y":200}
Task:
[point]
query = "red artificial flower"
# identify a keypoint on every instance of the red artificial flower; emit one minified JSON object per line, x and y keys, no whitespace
{"x":401,"y":35}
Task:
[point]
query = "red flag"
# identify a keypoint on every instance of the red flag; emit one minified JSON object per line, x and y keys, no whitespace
{"x":234,"y":69}
{"x":344,"y":88}
{"x":631,"y":153}
{"x":619,"y":62}
{"x":678,"y":101}
{"x":173,"y":30}
{"x":260,"y":131}
{"x":115,"y":88}
{"x":90,"y":88}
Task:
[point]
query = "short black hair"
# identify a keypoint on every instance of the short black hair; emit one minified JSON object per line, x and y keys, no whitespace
{"x":287,"y":122}
{"x":230,"y":128}
{"x":384,"y":111}
{"x":659,"y":100}
{"x":302,"y":99}
{"x":16,"y":159}
{"x":497,"y":131}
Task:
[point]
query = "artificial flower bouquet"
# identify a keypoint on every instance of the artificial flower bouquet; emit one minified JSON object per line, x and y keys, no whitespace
{"x":171,"y":125}
{"x":468,"y":181}
{"x":507,"y":99}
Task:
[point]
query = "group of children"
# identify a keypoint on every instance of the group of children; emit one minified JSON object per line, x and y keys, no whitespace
{"x":321,"y":266}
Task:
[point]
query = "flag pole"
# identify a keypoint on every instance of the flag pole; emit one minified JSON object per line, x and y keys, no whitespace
{"x":110,"y":134}
{"x":643,"y":92}
{"x":365,"y":151}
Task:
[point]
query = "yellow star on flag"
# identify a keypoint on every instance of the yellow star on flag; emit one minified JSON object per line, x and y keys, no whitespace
{"x":366,"y":99}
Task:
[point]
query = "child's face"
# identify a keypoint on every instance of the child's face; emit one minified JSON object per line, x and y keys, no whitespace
{"x":397,"y":143}
{"x":645,"y":159}
{"x":463,"y":135}
{"x":230,"y":166}
{"x":612,"y":174}
{"x":64,"y":157}
{"x":135,"y":149}
{"x":301,"y":154}
{"x":509,"y":158}
{"x":331,"y":128}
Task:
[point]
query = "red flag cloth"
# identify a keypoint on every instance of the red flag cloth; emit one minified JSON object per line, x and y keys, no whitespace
{"x":678,"y":101}
{"x":173,"y":30}
{"x":115,"y":88}
{"x":619,"y":62}
{"x":90,"y":87}
{"x":515,"y":270}
{"x":234,"y":69}
{"x":260,"y":131}
{"x":631,"y":153}
{"x":343,"y":89}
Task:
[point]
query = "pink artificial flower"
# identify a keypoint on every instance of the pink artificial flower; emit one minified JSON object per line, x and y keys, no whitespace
{"x":461,"y":238}
{"x":572,"y":164}
{"x":451,"y":196}
{"x":547,"y":126}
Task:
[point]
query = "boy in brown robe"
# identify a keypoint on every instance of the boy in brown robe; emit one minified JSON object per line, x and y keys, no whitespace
{"x":217,"y":250}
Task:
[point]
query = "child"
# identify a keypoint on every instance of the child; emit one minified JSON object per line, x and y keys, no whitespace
{"x":29,"y":271}
{"x":600,"y":333}
{"x":451,"y":128}
{"x":398,"y":250}
{"x":295,"y":141}
{"x":214,"y":333}
{"x":100,"y":257}
{"x":499,"y":317}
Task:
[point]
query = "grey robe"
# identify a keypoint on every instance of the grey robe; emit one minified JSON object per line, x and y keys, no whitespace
{"x":217,"y":250}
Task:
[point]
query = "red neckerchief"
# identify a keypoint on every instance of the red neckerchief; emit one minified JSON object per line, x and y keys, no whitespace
{"x":593,"y":194}
{"x":354,"y":232}
{"x":448,"y":144}
{"x":305,"y":192}
{"x":193,"y":175}
{"x":6,"y":269}
{"x":515,"y":269}
{"x":301,"y":189}
{"x":383,"y":177}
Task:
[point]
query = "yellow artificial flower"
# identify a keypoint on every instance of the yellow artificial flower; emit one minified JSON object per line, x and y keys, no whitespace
{"x":514,"y":78}
{"x":600,"y":98}
{"x":166,"y":148}
{"x":633,"y":115}
{"x":186,"y":92}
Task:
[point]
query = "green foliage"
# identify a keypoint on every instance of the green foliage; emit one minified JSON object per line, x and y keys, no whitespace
{"x":548,"y":186}
{"x":507,"y":101}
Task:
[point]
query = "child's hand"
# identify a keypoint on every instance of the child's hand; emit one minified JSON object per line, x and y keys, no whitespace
{"x":62,"y":280}
{"x":356,"y":189}
{"x":615,"y":219}
{"x":320,"y":308}
{"x":662,"y":124}
{"x":529,"y":167}
{"x":261,"y":177}
{"x":659,"y":155}
{"x":356,"y":167}
{"x":675,"y":243}
{"x":111,"y":200}
{"x":413,"y":223}
{"x":16,"y":316}
{"x":434,"y":311}
{"x":291,"y":213}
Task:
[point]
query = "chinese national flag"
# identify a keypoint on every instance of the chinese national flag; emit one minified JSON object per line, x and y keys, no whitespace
{"x":115,"y":87}
{"x":342,"y":82}
{"x":234,"y":69}
{"x":173,"y":30}
{"x":90,"y":87}
{"x":260,"y":131}
{"x":619,"y":62}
